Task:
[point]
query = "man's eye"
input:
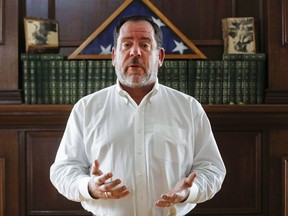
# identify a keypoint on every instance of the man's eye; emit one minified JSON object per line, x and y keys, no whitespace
{"x":126,"y":45}
{"x":146,"y":46}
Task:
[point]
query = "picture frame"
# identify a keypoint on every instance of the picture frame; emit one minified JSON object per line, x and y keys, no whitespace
{"x":41,"y":35}
{"x":239,"y":35}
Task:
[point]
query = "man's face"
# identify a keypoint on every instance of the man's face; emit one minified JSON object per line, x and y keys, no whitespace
{"x":136,"y":57}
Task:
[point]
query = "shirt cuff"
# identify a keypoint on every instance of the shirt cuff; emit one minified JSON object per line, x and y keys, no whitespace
{"x":83,"y":188}
{"x":194,"y":190}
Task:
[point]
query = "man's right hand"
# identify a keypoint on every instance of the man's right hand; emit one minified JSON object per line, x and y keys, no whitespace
{"x":100,"y":187}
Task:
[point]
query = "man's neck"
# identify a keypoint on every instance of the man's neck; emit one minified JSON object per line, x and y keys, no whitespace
{"x":137,"y":94}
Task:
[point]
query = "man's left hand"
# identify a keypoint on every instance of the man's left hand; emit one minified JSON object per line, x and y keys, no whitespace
{"x":178,"y":194}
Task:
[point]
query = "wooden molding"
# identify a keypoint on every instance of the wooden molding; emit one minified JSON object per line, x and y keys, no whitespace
{"x":2,"y":186}
{"x":285,"y":185}
{"x":284,"y":22}
{"x":1,"y":20}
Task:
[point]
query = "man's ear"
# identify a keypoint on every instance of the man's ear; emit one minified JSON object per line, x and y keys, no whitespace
{"x":113,"y":55}
{"x":161,"y":57}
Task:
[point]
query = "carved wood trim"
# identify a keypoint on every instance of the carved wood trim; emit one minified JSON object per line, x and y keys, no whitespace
{"x":2,"y":186}
{"x":1,"y":21}
{"x":285,"y":185}
{"x":284,"y":22}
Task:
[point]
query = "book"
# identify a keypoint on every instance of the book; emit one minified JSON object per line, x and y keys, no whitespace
{"x":183,"y":76}
{"x":26,"y":79}
{"x":73,"y":69}
{"x":219,"y":82}
{"x":238,"y":35}
{"x":225,"y":83}
{"x":168,"y":73}
{"x":204,"y":86}
{"x":82,"y":79}
{"x":66,"y":82}
{"x":191,"y":76}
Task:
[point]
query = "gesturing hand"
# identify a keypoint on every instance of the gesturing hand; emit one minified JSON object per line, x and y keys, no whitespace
{"x":178,"y":194}
{"x":99,"y":187}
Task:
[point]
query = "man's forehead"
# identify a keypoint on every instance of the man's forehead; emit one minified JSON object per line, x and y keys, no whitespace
{"x":137,"y":27}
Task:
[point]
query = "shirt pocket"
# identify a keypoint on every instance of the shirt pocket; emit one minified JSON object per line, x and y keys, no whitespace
{"x":170,"y":143}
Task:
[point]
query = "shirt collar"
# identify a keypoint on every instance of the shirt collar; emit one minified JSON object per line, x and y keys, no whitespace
{"x":127,"y":97}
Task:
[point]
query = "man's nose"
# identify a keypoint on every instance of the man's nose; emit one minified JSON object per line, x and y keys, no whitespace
{"x":135,"y":51}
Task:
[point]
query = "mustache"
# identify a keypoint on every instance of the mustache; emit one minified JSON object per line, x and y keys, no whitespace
{"x":134,"y":61}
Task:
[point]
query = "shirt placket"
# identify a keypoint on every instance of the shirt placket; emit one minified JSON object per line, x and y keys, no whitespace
{"x":140,"y":164}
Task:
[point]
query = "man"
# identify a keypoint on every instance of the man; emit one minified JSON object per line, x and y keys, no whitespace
{"x":138,"y":147}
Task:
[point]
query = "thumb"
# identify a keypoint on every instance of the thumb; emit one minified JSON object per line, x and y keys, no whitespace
{"x":95,"y":168}
{"x":189,"y":180}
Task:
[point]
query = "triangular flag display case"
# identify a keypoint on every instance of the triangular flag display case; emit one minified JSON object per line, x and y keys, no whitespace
{"x":99,"y":44}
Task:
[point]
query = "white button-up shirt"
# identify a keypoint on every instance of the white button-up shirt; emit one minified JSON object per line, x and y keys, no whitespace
{"x":150,"y":147}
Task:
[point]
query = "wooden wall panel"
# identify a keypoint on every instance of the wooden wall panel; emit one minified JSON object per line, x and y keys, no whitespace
{"x":278,"y":149}
{"x":285,"y":185}
{"x":2,"y":186}
{"x":41,"y":197}
{"x":241,"y":192}
{"x":9,"y":172}
{"x":199,"y":20}
{"x":1,"y":20}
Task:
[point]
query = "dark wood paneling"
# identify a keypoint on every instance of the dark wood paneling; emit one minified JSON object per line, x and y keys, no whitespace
{"x":278,"y":149}
{"x":2,"y":186}
{"x":1,"y":21}
{"x":285,"y":185}
{"x":252,"y":140}
{"x":41,"y":197}
{"x":242,"y":190}
{"x":9,"y":152}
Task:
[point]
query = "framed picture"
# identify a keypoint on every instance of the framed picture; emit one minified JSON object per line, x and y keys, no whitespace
{"x":41,"y":34}
{"x":239,"y":35}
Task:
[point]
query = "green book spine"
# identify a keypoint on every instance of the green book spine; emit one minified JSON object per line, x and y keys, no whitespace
{"x":33,"y":81}
{"x":161,"y":74}
{"x":246,"y":82}
{"x":60,"y":86}
{"x":53,"y":82}
{"x":219,"y":82}
{"x":199,"y":71}
{"x":46,"y":82}
{"x":191,"y":77}
{"x":90,"y":76}
{"x":175,"y":76}
{"x":238,"y":84}
{"x":51,"y":56}
{"x":261,"y":63}
{"x":82,"y":79}
{"x":26,"y":80}
{"x":232,"y":82}
{"x":204,"y":89}
{"x":66,"y":81}
{"x":183,"y":76}
{"x":225,"y":83}
{"x":39,"y":83}
{"x":168,"y":73}
{"x":74,"y":81}
{"x":103,"y":74}
{"x":253,"y":82}
{"x":98,"y":75}
{"x":212,"y":83}
{"x":110,"y":73}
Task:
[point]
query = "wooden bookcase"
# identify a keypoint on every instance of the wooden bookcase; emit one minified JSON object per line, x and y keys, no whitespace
{"x":252,"y":138}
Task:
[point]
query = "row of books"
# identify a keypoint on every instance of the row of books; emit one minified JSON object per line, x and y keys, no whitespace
{"x":237,"y":79}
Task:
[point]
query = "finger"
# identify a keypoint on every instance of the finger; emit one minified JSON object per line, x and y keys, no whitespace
{"x":163,"y":204}
{"x":95,"y":168}
{"x":118,"y":192}
{"x":169,"y":198}
{"x":189,"y":180}
{"x":108,"y":186}
{"x":103,"y":178}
